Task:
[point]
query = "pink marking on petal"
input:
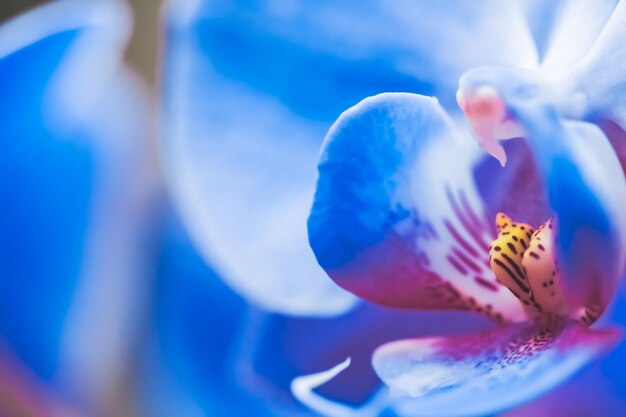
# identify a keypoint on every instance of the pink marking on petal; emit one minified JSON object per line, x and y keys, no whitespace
{"x":472,"y":227}
{"x":491,"y":286}
{"x":467,"y":261}
{"x":460,"y":240}
{"x":482,"y":224}
{"x":457,"y":265}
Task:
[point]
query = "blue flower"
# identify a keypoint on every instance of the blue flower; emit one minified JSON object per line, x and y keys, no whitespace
{"x":406,"y":205}
{"x":73,"y":129}
{"x":235,"y":124}
{"x":250,"y":88}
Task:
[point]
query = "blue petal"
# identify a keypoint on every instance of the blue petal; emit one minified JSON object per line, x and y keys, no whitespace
{"x":397,"y":218}
{"x":187,"y":366}
{"x":250,"y":88}
{"x":586,"y":189}
{"x":57,"y":160}
{"x":487,"y":372}
{"x":100,"y":30}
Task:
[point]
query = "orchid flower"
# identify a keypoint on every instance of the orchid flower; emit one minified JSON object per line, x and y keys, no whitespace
{"x":75,"y":191}
{"x":250,"y":88}
{"x":409,"y":213}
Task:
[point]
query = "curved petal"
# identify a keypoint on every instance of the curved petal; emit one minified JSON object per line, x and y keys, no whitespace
{"x":485,"y":372}
{"x":70,"y":174}
{"x":586,"y":189}
{"x":599,"y":78}
{"x":248,"y":217}
{"x":247,"y":110}
{"x":98,"y":32}
{"x":396,"y":217}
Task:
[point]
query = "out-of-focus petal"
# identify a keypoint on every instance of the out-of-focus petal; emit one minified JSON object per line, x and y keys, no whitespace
{"x":540,"y":16}
{"x":396,"y":217}
{"x":242,"y":166}
{"x":586,"y":189}
{"x":377,"y":46}
{"x":22,"y":393}
{"x":112,"y":292}
{"x":600,"y":77}
{"x":74,"y":179}
{"x":94,"y":36}
{"x":486,"y":372}
{"x":251,"y":87}
{"x":187,"y":366}
{"x":576,"y":27}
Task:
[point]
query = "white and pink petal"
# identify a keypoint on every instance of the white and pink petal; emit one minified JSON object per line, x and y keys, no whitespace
{"x":397,"y":218}
{"x":486,"y":372}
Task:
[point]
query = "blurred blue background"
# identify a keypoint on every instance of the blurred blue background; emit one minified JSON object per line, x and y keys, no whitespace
{"x":108,"y":304}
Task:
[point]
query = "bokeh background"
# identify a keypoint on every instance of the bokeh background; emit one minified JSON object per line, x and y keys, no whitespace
{"x":142,"y":50}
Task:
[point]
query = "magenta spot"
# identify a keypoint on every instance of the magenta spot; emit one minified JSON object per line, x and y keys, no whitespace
{"x":464,"y":244}
{"x":456,"y":265}
{"x":466,"y":261}
{"x":473,"y":226}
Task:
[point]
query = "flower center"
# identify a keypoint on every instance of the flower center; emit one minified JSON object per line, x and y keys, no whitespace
{"x":523,"y":260}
